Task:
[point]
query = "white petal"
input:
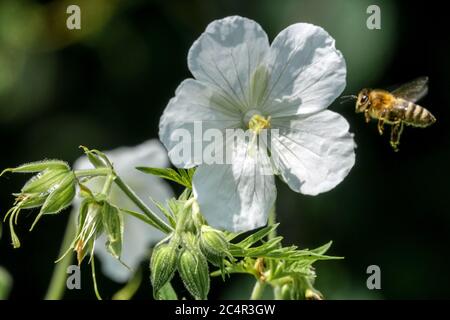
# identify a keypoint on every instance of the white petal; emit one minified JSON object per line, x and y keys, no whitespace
{"x":195,"y":108}
{"x":137,"y":235}
{"x":313,"y":153}
{"x":238,"y":196}
{"x":306,"y":69}
{"x":227,"y":54}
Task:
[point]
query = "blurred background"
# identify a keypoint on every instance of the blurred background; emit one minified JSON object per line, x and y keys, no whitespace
{"x":107,"y":84}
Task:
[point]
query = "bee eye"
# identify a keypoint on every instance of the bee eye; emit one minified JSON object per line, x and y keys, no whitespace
{"x":364,"y":99}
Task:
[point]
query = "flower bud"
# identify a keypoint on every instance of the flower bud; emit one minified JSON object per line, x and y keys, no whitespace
{"x":60,"y":195}
{"x":193,"y":269}
{"x":38,"y":166}
{"x":52,"y":189}
{"x":214,"y":245}
{"x":162,"y":264}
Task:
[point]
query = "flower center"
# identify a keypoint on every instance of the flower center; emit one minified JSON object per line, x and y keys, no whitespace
{"x":256,"y":122}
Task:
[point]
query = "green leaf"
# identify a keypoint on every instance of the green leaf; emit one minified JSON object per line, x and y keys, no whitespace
{"x":182,"y":176}
{"x":166,"y":212}
{"x":139,"y":216}
{"x":322,"y":249}
{"x":113,"y":226}
{"x":257,"y":236}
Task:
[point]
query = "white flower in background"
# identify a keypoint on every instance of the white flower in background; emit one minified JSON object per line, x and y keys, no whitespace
{"x":137,"y":235}
{"x":241,"y":81}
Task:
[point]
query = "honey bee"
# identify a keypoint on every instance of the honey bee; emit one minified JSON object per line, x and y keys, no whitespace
{"x":396,"y":108}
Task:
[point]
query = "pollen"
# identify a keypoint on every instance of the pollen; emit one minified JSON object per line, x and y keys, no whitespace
{"x":258,"y":123}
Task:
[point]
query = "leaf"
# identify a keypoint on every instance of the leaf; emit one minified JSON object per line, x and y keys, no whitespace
{"x":322,"y":249}
{"x":257,"y":236}
{"x":113,"y":226}
{"x":182,"y":176}
{"x":139,"y":216}
{"x":166,"y":212}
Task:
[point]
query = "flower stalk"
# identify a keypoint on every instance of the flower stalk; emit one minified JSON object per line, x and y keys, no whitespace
{"x":154,"y":218}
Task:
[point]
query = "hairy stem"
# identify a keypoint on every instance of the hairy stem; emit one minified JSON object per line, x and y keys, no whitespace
{"x":272,"y":221}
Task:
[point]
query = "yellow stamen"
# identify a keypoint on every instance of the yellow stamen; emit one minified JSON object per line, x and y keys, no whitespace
{"x":258,"y":123}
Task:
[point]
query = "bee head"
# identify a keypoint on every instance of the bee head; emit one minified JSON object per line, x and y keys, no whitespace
{"x":363,"y":101}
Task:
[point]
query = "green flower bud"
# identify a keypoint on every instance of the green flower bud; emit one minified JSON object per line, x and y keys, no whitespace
{"x":214,"y":245}
{"x":52,"y":189}
{"x":60,"y":196}
{"x":38,"y":166}
{"x":113,"y":225}
{"x":163,"y":264}
{"x":44,"y":180}
{"x":193,"y":269}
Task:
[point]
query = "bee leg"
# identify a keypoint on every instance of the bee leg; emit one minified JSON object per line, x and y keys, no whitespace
{"x":367,"y":116}
{"x":396,"y":132}
{"x":381,"y":126}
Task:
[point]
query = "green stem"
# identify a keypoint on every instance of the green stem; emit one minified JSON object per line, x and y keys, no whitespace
{"x":258,"y":290}
{"x":57,"y":285}
{"x":93,"y":172}
{"x":272,"y":221}
{"x":94,"y":278}
{"x":108,"y":184}
{"x":157,"y":221}
{"x":129,"y":290}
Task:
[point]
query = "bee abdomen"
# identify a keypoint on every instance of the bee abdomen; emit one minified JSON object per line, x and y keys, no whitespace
{"x":418,"y":116}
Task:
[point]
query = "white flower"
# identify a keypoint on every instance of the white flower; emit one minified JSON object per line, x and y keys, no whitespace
{"x":137,"y":235}
{"x":243,"y":82}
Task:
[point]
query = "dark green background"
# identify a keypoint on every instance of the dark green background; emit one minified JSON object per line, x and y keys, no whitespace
{"x":106,"y":86}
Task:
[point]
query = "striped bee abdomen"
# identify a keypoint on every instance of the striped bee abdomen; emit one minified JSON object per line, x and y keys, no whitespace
{"x":417,"y":116}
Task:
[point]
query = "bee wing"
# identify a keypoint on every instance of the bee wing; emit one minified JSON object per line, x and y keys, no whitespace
{"x":414,"y":90}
